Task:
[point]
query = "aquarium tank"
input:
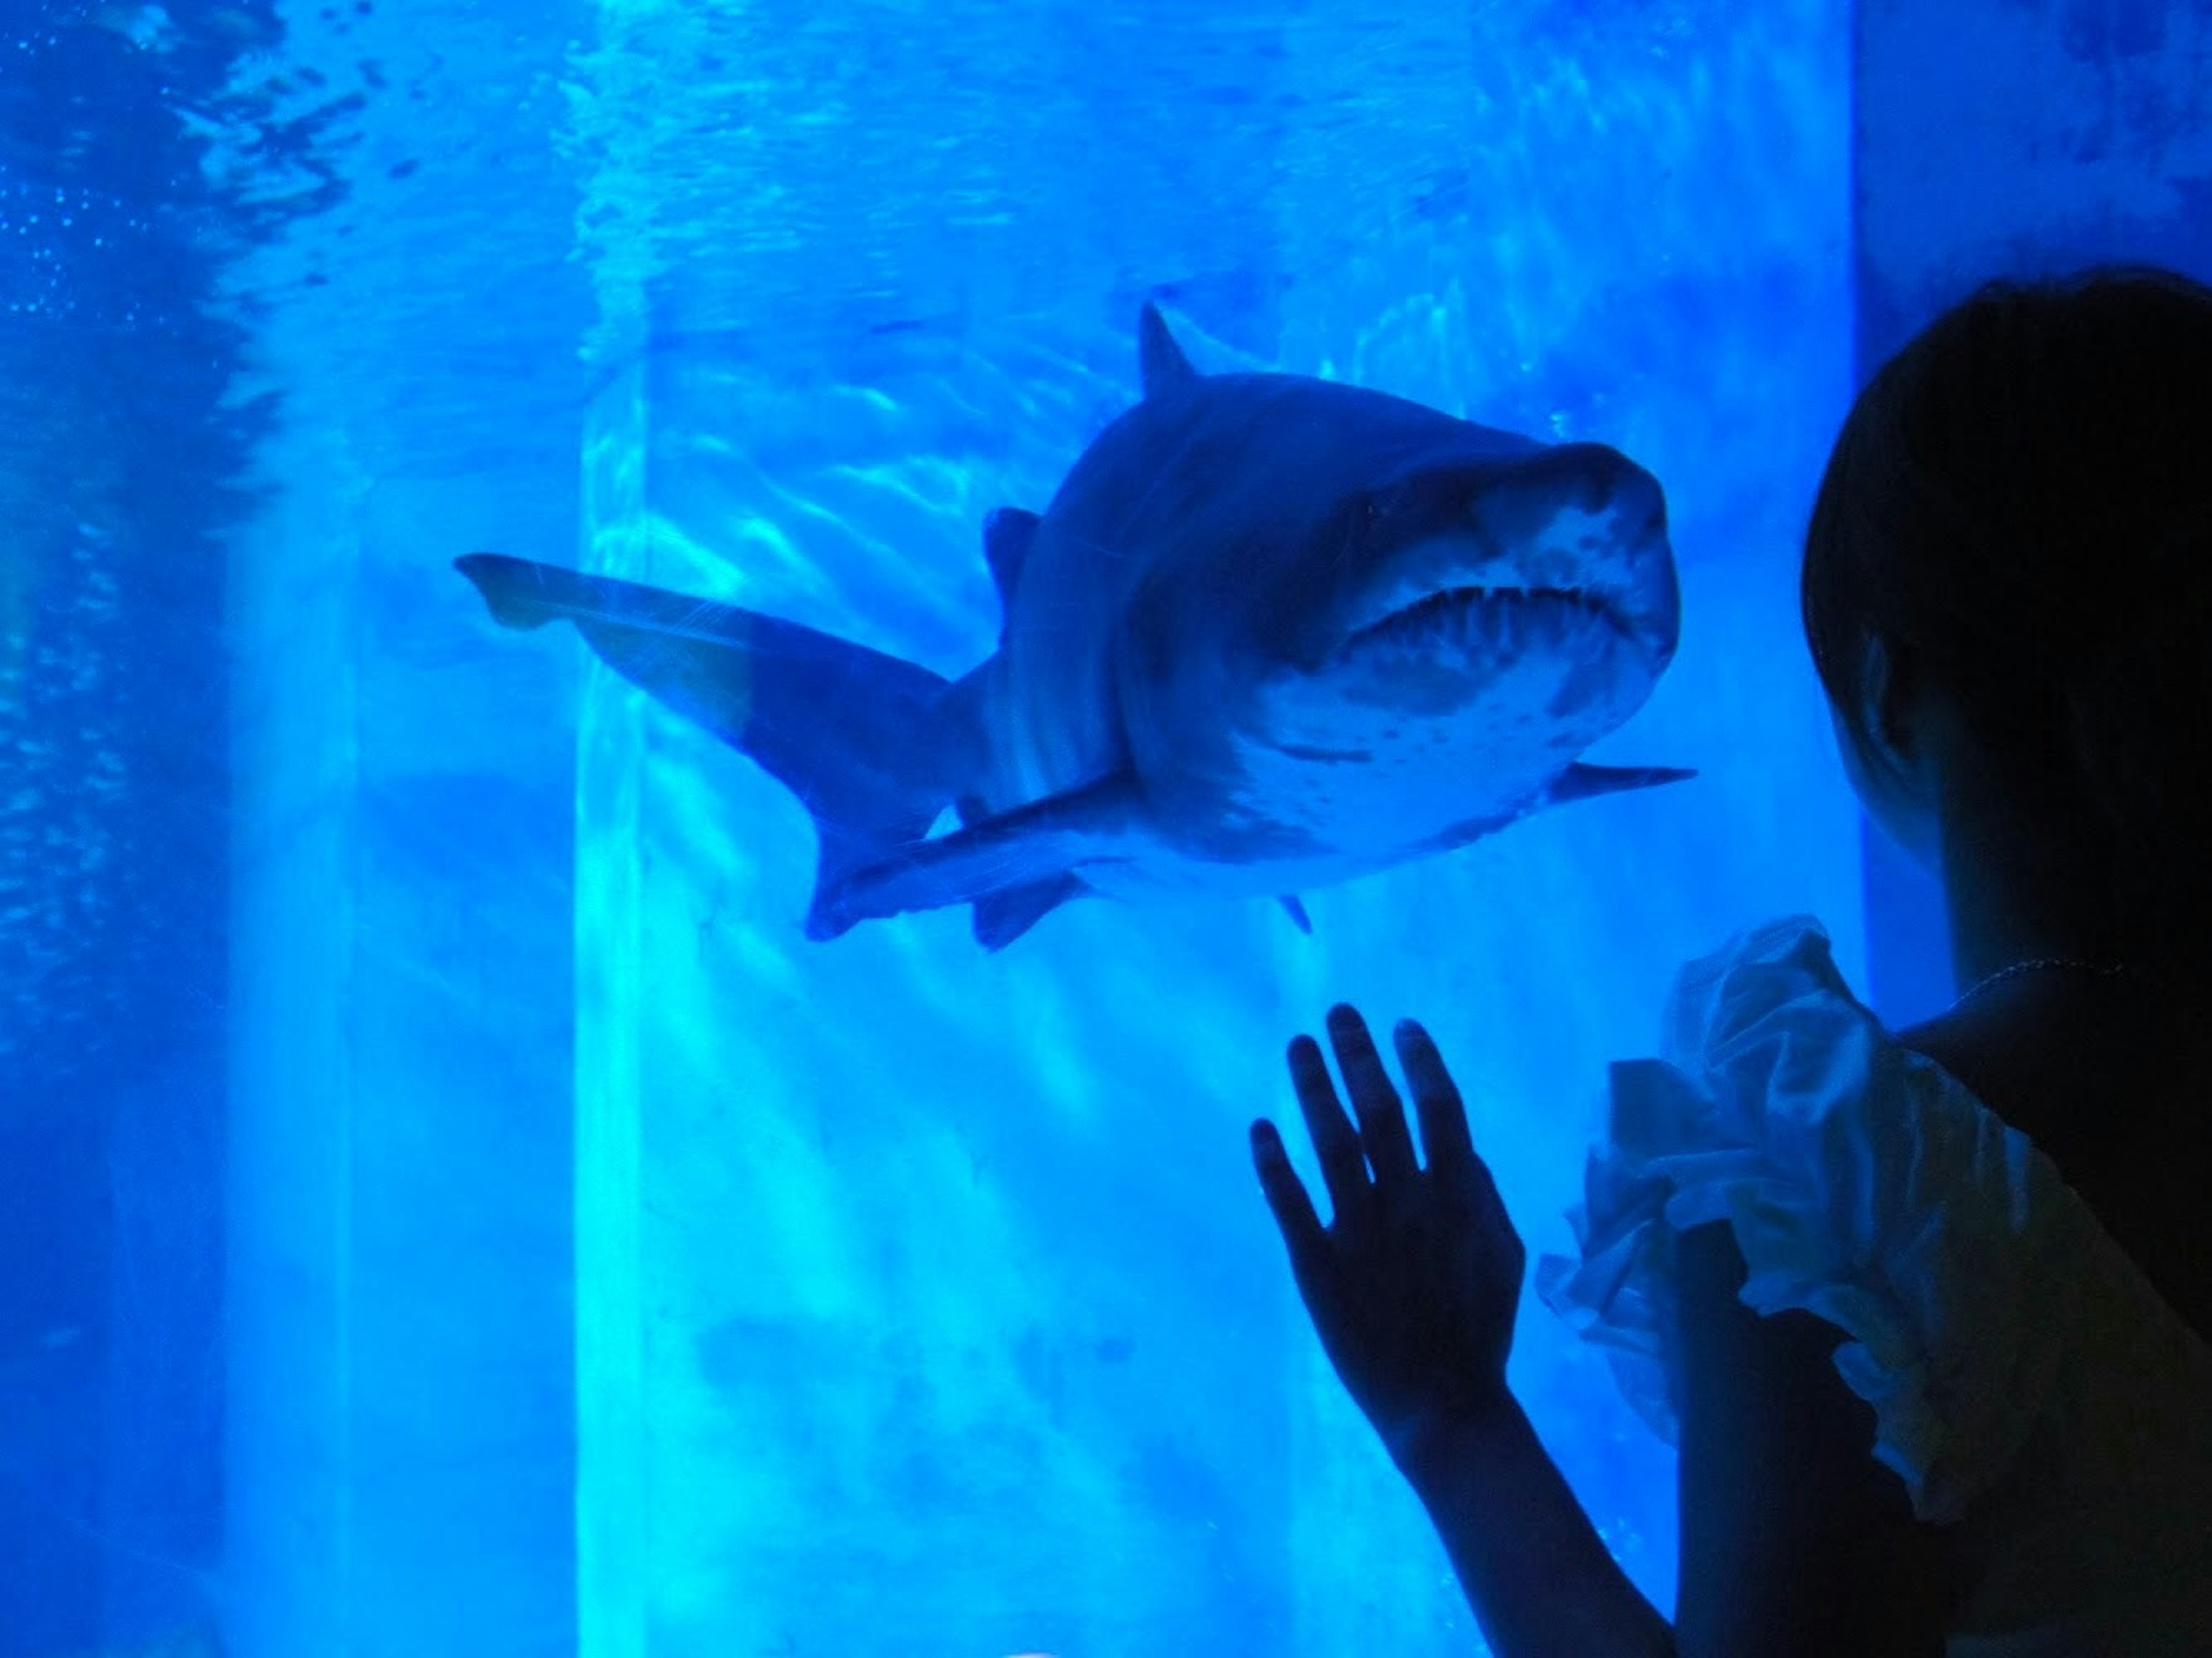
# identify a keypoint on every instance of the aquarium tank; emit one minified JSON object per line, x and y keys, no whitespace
{"x":469,"y":1189}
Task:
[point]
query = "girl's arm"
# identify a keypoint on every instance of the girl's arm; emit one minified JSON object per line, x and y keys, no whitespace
{"x":1535,"y":1570}
{"x":1795,"y":1542}
{"x":1412,"y":1286}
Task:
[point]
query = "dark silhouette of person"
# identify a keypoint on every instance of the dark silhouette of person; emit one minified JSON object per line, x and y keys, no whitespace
{"x":1926,"y":1311}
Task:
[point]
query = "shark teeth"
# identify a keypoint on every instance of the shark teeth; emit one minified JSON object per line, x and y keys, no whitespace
{"x":1502,"y":619}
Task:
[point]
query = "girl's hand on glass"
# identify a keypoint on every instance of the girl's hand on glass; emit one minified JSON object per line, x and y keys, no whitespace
{"x":1414,"y":1285}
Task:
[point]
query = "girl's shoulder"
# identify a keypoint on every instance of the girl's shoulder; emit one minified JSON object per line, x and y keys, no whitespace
{"x":2112,"y":1087}
{"x":1866,"y":1184}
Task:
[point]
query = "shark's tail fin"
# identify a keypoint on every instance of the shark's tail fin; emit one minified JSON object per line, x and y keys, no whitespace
{"x":875,"y":748}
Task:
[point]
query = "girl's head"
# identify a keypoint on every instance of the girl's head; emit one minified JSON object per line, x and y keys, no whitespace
{"x":2015,"y":532}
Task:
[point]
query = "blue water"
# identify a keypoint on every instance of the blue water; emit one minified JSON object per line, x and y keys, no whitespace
{"x":515,"y":1236}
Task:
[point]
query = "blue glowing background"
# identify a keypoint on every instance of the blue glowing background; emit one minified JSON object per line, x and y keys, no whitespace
{"x":451,"y":1208}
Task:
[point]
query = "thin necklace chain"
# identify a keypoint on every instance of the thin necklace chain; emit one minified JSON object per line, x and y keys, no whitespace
{"x":2044,"y":964}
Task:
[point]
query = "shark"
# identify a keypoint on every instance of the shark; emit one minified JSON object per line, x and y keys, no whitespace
{"x":1270,"y":632}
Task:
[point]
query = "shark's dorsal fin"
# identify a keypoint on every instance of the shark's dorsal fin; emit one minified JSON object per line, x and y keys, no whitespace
{"x":1160,"y":359}
{"x":1296,"y":912}
{"x":1007,"y":534}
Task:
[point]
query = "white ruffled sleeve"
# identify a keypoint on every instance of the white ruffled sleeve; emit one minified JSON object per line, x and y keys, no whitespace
{"x":1863,"y":1184}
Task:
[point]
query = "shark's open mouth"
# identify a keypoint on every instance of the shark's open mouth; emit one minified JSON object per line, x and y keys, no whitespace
{"x":1495,"y":618}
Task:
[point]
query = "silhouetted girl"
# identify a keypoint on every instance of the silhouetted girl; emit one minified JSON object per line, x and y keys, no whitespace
{"x":1962,"y":1401}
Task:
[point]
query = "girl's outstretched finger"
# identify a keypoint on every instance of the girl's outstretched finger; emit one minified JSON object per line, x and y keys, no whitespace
{"x":1437,"y":1103}
{"x":1389,"y":1145}
{"x":1286,"y":1197}
{"x":1336,"y":1143}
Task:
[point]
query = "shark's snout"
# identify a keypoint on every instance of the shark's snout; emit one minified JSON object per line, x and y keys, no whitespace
{"x":1564,"y":552}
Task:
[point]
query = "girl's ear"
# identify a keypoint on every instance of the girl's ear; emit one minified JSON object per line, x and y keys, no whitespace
{"x":1888,"y":686}
{"x":1884,"y":746}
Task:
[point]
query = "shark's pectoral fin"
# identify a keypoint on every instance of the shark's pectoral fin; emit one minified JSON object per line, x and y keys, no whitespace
{"x":1577,"y":782}
{"x":1016,"y":852}
{"x":1580,"y":783}
{"x":1296,"y":912}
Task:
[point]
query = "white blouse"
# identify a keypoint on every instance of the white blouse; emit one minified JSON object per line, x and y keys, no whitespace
{"x":2029,"y":1385}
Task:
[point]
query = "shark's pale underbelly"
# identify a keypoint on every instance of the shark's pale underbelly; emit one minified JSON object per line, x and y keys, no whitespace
{"x":1160,"y":876}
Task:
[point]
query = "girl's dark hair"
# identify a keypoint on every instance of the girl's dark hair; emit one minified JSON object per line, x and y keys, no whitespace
{"x":2021,"y":500}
